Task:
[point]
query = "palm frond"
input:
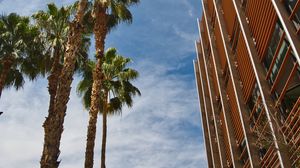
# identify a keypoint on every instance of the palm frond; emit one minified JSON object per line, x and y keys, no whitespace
{"x":20,"y":42}
{"x":117,"y":81}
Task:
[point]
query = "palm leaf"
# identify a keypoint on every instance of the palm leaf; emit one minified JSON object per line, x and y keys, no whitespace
{"x":117,"y":81}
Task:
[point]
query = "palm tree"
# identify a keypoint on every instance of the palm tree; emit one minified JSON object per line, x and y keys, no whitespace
{"x":54,"y":24}
{"x":68,"y":46}
{"x":107,"y":15}
{"x":115,"y":85}
{"x":20,"y":50}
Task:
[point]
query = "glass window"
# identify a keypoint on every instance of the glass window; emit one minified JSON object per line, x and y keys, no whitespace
{"x":290,"y":5}
{"x":262,"y":152}
{"x":242,"y":146}
{"x":297,"y":78}
{"x":254,"y":97}
{"x":278,"y":32}
{"x":279,"y":59}
{"x":292,"y":94}
{"x":290,"y":99}
{"x":251,"y":104}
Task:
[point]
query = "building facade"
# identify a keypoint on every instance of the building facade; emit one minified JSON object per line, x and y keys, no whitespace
{"x":248,"y":80}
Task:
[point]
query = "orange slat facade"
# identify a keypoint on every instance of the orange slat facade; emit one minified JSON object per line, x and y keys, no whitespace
{"x":245,"y":69}
{"x":220,"y":47}
{"x":262,"y":18}
{"x":214,"y":76}
{"x":229,"y":15}
{"x":204,"y":32}
{"x":226,"y":141}
{"x":211,"y":8}
{"x":234,"y":113}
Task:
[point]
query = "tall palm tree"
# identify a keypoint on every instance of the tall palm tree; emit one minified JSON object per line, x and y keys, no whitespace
{"x":19,"y":50}
{"x":115,"y":85}
{"x":69,"y":47}
{"x":107,"y":14}
{"x":54,"y":23}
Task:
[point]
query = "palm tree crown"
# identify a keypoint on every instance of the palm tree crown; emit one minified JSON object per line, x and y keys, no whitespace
{"x":54,"y":24}
{"x":117,"y":82}
{"x":20,"y":50}
{"x":117,"y":11}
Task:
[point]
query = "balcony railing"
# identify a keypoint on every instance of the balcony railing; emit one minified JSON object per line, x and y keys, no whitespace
{"x":270,"y":159}
{"x":291,"y":131}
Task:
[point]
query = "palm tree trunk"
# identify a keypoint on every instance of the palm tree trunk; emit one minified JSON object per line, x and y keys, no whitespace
{"x":104,"y":132}
{"x":52,"y":88}
{"x":95,"y":108}
{"x":53,"y":125}
{"x":53,"y":79}
{"x":90,"y":144}
{"x":100,"y":31}
{"x":6,"y":68}
{"x":92,"y":127}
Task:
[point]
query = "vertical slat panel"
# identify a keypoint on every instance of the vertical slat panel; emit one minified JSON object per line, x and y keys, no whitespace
{"x":211,"y":8}
{"x":220,"y":48}
{"x":204,"y":33}
{"x":211,"y":125}
{"x":245,"y":69}
{"x":226,"y":141}
{"x":268,"y":36}
{"x":234,"y":113}
{"x":214,"y":78}
{"x":229,"y":15}
{"x":203,"y":112}
{"x":261,"y":19}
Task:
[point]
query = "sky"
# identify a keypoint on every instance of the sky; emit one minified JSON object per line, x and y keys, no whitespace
{"x":161,"y":130}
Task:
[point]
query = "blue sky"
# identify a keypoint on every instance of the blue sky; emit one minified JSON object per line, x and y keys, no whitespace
{"x":163,"y":128}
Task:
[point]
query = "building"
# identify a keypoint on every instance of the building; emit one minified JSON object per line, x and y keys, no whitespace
{"x":248,"y":80}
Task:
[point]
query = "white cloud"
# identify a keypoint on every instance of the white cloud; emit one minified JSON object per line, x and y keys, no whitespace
{"x":25,"y":7}
{"x":152,"y":134}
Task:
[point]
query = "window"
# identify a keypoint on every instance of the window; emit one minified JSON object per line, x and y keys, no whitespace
{"x":262,"y":152}
{"x":244,"y":153}
{"x":274,"y":42}
{"x":290,"y":99}
{"x":255,"y":106}
{"x":290,"y":5}
{"x":281,"y":54}
{"x":254,"y":97}
{"x":292,"y":94}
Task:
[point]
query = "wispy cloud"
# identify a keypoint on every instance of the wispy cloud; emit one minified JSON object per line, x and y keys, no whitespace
{"x":162,"y":130}
{"x":27,"y":7}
